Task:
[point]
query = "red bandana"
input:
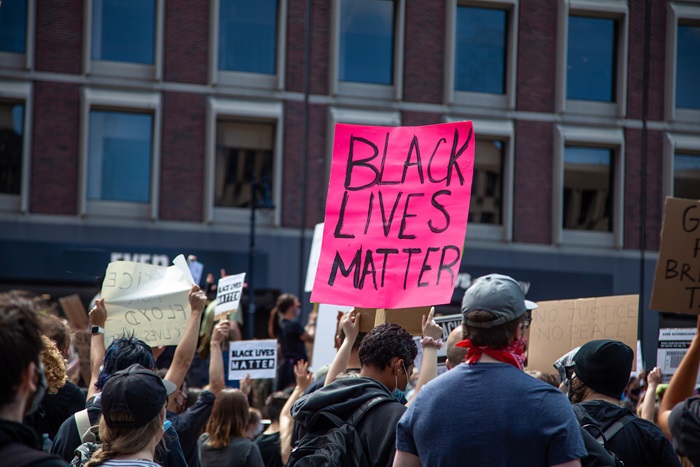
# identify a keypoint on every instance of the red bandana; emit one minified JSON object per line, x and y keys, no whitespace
{"x":513,"y":354}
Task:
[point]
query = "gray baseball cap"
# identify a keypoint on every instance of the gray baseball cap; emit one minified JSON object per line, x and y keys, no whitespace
{"x":500,"y":295}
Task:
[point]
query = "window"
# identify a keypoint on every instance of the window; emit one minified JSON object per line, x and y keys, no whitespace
{"x":592,"y":57}
{"x":248,"y":35}
{"x":244,"y":146}
{"x":13,"y":26}
{"x":587,"y":188}
{"x":244,"y":164}
{"x":120,"y":156}
{"x":480,"y":55}
{"x":366,"y":52}
{"x":480,"y":50}
{"x":120,"y":147}
{"x":688,"y":65}
{"x":590,"y":68}
{"x":124,"y":38}
{"x":366,"y":41}
{"x":686,"y":175}
{"x":486,"y":205}
{"x":11,"y":147}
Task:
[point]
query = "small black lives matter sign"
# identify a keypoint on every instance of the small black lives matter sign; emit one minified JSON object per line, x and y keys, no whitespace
{"x":255,"y":358}
{"x":396,"y":215}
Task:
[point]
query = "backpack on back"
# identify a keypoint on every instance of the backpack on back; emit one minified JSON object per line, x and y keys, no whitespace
{"x":89,"y":436}
{"x":332,"y":441}
{"x":602,"y":437}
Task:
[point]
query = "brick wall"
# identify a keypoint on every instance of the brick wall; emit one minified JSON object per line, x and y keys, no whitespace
{"x":55,"y":143}
{"x":424,"y":51}
{"x":59,"y":31}
{"x":532,"y":189}
{"x":182,"y":157}
{"x":186,"y":52}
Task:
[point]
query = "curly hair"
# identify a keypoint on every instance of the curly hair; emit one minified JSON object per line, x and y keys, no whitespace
{"x":384,"y":342}
{"x":54,"y":366}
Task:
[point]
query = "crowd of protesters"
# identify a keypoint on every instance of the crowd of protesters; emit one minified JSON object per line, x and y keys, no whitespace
{"x":149,"y":407}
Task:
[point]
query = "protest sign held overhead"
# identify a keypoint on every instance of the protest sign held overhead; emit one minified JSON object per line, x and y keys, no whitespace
{"x":150,"y":302}
{"x":561,"y":325}
{"x":255,"y":358}
{"x":677,"y":280}
{"x":396,"y":215}
{"x":228,"y":294}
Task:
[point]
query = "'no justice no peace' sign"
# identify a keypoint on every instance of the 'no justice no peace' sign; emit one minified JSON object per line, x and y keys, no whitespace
{"x":396,"y":215}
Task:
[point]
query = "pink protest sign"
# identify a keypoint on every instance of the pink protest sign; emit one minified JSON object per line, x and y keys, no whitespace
{"x":396,"y":215}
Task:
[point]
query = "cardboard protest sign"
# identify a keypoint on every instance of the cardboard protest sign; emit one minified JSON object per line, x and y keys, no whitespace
{"x":411,"y":319}
{"x":561,"y":325}
{"x":150,"y":302}
{"x":673,"y":345}
{"x":74,"y":310}
{"x":314,"y":256}
{"x":82,"y":340}
{"x":324,"y":338}
{"x":228,"y":295}
{"x":396,"y":215}
{"x":677,"y":280}
{"x":255,"y":358}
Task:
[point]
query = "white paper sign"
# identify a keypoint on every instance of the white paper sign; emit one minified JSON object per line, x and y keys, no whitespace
{"x":196,"y":268}
{"x":314,"y":256}
{"x":228,"y":294}
{"x":673,"y":345}
{"x":150,"y":302}
{"x":324,"y":339}
{"x":255,"y":358}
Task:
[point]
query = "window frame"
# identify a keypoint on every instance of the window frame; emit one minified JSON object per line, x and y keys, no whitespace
{"x":675,"y":13}
{"x":248,"y":111}
{"x":617,"y":10}
{"x":16,"y":91}
{"x":469,"y":98}
{"x":674,"y":142}
{"x":368,"y":90}
{"x":110,"y":68}
{"x":606,"y":138}
{"x":274,"y":82}
{"x":23,"y":61}
{"x":120,"y":101}
{"x":503,"y":130}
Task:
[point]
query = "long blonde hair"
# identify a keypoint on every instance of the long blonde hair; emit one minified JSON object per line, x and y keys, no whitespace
{"x":229,"y":417}
{"x":118,"y":441}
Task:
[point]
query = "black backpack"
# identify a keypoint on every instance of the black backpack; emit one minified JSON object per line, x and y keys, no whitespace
{"x":602,"y":437}
{"x":332,"y":441}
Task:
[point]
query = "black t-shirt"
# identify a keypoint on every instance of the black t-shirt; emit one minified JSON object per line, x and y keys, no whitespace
{"x":55,"y":408}
{"x":269,"y":446}
{"x":290,"y":340}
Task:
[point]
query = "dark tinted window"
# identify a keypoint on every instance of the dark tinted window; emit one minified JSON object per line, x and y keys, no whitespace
{"x":248,"y":35}
{"x":590,"y":70}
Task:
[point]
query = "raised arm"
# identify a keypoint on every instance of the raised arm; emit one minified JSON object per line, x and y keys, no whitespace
{"x":431,"y":343}
{"x":682,"y":383}
{"x":216,"y":360}
{"x":649,"y":403}
{"x":350,"y":323}
{"x":98,"y":317}
{"x":184,"y":353}
{"x":303,"y":379}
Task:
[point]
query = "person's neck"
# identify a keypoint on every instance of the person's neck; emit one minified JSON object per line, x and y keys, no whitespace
{"x":146,"y":453}
{"x":488,"y":359}
{"x":272,"y":429}
{"x":12,"y":412}
{"x":596,"y":396}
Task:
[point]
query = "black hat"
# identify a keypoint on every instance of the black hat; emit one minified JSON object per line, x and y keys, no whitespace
{"x":136,"y":391}
{"x":500,"y":295}
{"x":604,"y":366}
{"x":684,"y":424}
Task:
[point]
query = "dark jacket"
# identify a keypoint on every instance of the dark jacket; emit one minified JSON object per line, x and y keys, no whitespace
{"x":21,"y":446}
{"x":640,"y":443}
{"x":341,"y":398}
{"x":55,"y":408}
{"x":67,"y":439}
{"x":190,"y":424}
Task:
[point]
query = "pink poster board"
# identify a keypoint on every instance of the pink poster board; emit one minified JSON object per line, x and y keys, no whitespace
{"x":396,"y":215}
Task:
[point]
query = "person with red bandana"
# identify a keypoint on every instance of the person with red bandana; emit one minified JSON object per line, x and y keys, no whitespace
{"x":488,"y":411}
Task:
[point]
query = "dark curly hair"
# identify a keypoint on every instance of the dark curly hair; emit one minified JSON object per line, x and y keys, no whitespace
{"x":384,"y":342}
{"x":121,"y":354}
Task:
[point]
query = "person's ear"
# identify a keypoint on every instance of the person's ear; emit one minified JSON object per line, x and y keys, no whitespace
{"x":29,"y":378}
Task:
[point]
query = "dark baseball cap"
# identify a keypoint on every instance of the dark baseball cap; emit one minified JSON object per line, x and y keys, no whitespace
{"x":604,"y":365}
{"x":500,"y":295}
{"x":136,"y":391}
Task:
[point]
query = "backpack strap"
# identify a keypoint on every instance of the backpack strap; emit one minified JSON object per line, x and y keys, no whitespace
{"x":360,"y":412}
{"x":82,"y":421}
{"x":615,"y":428}
{"x":20,"y":455}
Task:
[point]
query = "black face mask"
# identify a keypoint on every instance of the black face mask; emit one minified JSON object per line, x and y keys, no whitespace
{"x":40,"y":390}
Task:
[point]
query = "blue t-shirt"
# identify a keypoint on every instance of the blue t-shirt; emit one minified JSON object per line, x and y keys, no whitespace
{"x":490,"y":414}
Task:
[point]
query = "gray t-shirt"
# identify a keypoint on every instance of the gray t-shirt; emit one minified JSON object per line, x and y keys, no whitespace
{"x":239,"y":453}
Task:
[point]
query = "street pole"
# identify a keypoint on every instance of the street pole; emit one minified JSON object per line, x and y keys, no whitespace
{"x":251,"y":258}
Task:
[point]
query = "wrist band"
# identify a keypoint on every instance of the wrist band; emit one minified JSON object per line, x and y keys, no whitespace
{"x":431,"y":342}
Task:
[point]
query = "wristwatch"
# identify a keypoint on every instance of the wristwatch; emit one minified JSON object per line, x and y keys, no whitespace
{"x":96,"y":330}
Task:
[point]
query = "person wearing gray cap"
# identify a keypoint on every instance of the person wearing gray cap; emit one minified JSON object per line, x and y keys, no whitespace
{"x":488,"y":411}
{"x":597,"y":378}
